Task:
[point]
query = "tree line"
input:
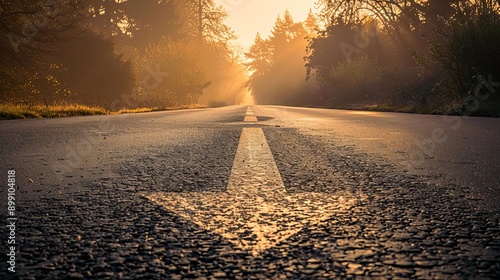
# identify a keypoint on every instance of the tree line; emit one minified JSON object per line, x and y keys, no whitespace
{"x":276,"y":63}
{"x":422,"y":55}
{"x":117,"y":54}
{"x":419,"y":55}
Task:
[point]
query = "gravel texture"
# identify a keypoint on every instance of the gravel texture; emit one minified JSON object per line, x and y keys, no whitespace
{"x":402,"y":227}
{"x":396,"y":225}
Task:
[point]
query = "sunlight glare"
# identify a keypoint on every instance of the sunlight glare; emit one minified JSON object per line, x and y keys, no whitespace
{"x":249,"y":17}
{"x":247,"y":99}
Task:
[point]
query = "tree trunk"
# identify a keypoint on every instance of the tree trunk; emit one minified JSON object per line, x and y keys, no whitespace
{"x":200,"y":19}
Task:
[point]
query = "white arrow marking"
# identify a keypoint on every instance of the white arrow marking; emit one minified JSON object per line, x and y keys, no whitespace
{"x":255,"y":213}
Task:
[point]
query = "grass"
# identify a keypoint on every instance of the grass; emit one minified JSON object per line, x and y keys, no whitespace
{"x":386,"y":107}
{"x":147,"y":110}
{"x":136,"y":111}
{"x":216,"y":104}
{"x":11,"y":111}
{"x":183,"y":107}
{"x":380,"y":108}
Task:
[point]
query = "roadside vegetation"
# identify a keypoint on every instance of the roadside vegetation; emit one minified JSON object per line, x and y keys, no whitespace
{"x":116,"y":55}
{"x":12,"y":112}
{"x":423,"y":56}
{"x":429,"y":56}
{"x":9,"y":112}
{"x":157,"y":109}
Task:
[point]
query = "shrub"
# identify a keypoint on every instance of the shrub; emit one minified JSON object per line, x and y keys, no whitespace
{"x":468,"y":45}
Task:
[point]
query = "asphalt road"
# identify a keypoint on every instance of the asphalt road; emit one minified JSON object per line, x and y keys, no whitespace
{"x":301,"y":193}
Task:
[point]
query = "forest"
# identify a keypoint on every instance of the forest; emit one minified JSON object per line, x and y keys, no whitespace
{"x":118,"y":54}
{"x":428,"y":56}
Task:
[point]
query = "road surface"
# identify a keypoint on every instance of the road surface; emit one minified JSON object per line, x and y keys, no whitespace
{"x":253,"y":192}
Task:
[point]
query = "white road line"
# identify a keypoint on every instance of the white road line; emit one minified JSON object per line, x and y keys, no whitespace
{"x":254,"y":169}
{"x":250,"y":116}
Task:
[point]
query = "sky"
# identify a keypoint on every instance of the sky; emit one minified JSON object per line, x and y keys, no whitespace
{"x":247,"y":17}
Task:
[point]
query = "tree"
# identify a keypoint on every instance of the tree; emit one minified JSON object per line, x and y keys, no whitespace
{"x":136,"y":22}
{"x":61,"y":52}
{"x":285,"y":33}
{"x":204,"y":20}
{"x":106,"y":16}
{"x":183,"y":74}
{"x":277,"y":65}
{"x":260,"y":57}
{"x":54,"y":56}
{"x":226,"y":73}
{"x":140,"y":22}
{"x":89,"y":69}
{"x":196,"y":25}
{"x":469,"y":43}
{"x":402,"y":19}
{"x":434,"y":43}
{"x":31,"y":30}
{"x":149,"y":21}
{"x":329,"y":49}
{"x":311,"y":25}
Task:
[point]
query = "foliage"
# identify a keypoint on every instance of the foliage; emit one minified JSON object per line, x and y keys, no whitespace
{"x":276,"y":64}
{"x":422,"y":54}
{"x":359,"y":79}
{"x":204,"y":20}
{"x":180,"y":72}
{"x":99,"y":52}
{"x":29,"y":31}
{"x":329,"y":49}
{"x":88,"y":71}
{"x":216,"y":103}
{"x":260,"y":57}
{"x":469,"y":46}
{"x":135,"y":22}
{"x":161,"y":53}
{"x":189,"y":57}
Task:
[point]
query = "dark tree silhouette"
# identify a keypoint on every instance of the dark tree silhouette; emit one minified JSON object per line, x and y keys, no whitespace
{"x":91,"y":71}
{"x":30,"y":31}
